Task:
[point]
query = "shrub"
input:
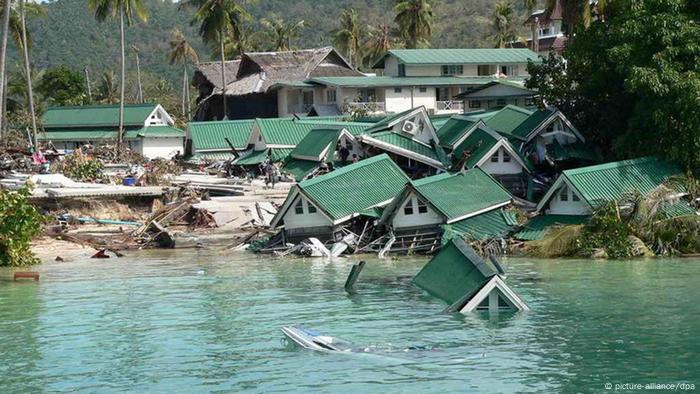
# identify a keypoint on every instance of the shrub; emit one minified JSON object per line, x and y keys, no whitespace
{"x":20,"y":221}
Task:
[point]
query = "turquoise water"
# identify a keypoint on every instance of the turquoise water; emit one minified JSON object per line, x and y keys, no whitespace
{"x":209,"y":322}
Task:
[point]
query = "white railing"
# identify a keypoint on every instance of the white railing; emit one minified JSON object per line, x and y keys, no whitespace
{"x":450,"y":105}
{"x":298,"y":108}
{"x":369,"y":106}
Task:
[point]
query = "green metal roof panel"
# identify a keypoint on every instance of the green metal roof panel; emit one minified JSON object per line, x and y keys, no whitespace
{"x":355,"y":187}
{"x":78,"y":135}
{"x":507,"y":119}
{"x":454,"y":272}
{"x":409,"y":144}
{"x":299,"y":169}
{"x":464,"y":56}
{"x":678,"y":209}
{"x":211,"y":135}
{"x":354,"y":128}
{"x":209,"y":157}
{"x":259,"y":156}
{"x":577,"y":151}
{"x":384,"y":123}
{"x":537,"y":227}
{"x":453,"y":129}
{"x":611,"y":181}
{"x":529,"y":125}
{"x":96,"y":115}
{"x":315,"y":142}
{"x":462,"y":193}
{"x":493,"y":224}
{"x":386,"y":81}
{"x":157,"y":132}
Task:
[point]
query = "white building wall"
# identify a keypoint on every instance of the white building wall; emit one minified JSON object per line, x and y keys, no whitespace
{"x":282,"y":100}
{"x":292,"y":220}
{"x":401,"y":220}
{"x":164,"y":148}
{"x":157,"y":118}
{"x":426,"y":99}
{"x":397,"y":101}
{"x":431,"y":70}
{"x":501,"y":167}
{"x":568,"y":207}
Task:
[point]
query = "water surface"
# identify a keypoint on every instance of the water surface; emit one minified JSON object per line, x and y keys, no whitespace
{"x":185,"y":321}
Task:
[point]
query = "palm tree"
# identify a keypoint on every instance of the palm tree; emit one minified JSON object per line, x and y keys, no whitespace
{"x":347,"y":36}
{"x":534,"y":26}
{"x":3,"y":59}
{"x":138,"y":72}
{"x":27,"y":68}
{"x":575,"y":12}
{"x":217,"y":19}
{"x":503,"y":24}
{"x":381,"y":39}
{"x":247,"y":40}
{"x":182,"y":52}
{"x":125,"y":10}
{"x":108,"y":88}
{"x":415,"y":21}
{"x":281,"y":33}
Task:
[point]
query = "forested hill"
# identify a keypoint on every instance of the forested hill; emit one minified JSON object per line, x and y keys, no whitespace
{"x":70,"y":35}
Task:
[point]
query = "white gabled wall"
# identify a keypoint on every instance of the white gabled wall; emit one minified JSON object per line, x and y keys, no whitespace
{"x":501,"y":167}
{"x":564,"y":202}
{"x":416,"y":219}
{"x":294,"y":220}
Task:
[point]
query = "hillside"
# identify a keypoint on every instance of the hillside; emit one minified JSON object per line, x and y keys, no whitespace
{"x":70,"y":35}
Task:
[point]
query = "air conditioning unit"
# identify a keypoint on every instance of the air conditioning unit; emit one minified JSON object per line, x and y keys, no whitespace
{"x":409,"y":127}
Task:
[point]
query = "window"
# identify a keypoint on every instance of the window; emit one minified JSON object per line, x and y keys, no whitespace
{"x":311,"y":208}
{"x":331,"y":96}
{"x":367,"y":95}
{"x":408,"y":208}
{"x":299,"y":208}
{"x":474,"y":103}
{"x":564,"y":194}
{"x":483,"y":70}
{"x":452,"y":69}
{"x":422,"y":89}
{"x":402,"y":70}
{"x":501,"y":102}
{"x":509,"y":70}
{"x":506,"y":157}
{"x":494,"y":158}
{"x":259,"y":137}
{"x":397,"y":90}
{"x":529,"y":102}
{"x":443,"y":94}
{"x":422,"y":207}
{"x":574,"y":197}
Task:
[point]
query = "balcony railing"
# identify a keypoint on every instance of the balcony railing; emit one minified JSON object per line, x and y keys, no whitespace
{"x":298,"y":108}
{"x":450,"y":105}
{"x":368,"y":106}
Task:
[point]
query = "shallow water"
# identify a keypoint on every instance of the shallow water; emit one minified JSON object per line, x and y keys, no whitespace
{"x":185,"y":321}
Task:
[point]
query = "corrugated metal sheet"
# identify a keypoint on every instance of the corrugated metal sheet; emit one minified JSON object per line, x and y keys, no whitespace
{"x":209,"y":157}
{"x":453,"y":129}
{"x":493,"y":224}
{"x":611,"y":181}
{"x":356,"y":187}
{"x":211,"y":135}
{"x":354,"y":128}
{"x":464,"y":56}
{"x":299,"y":168}
{"x":463,"y":193}
{"x":385,"y":81}
{"x":96,"y":115}
{"x":525,"y":128}
{"x":259,"y":156}
{"x":406,"y":143}
{"x":156,"y":132}
{"x":78,"y":135}
{"x":506,"y":119}
{"x":315,"y":142}
{"x":537,"y":227}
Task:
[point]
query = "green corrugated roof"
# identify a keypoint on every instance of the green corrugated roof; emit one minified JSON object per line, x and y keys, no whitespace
{"x":383,"y":123}
{"x":354,"y":128}
{"x":611,"y":181}
{"x":156,"y":132}
{"x":78,"y":135}
{"x":506,"y":119}
{"x":283,"y":131}
{"x":463,"y":193}
{"x":299,"y":168}
{"x":526,"y":127}
{"x":537,"y":227}
{"x":259,"y":156}
{"x":385,"y":81}
{"x":355,"y":187}
{"x":493,"y":224}
{"x":464,"y":56}
{"x":677,"y":209}
{"x":316,"y":142}
{"x":96,"y":115}
{"x":409,"y":144}
{"x":576,"y":151}
{"x":454,"y":129}
{"x":210,"y":135}
{"x":525,"y":92}
{"x":204,"y":157}
{"x":455,"y":272}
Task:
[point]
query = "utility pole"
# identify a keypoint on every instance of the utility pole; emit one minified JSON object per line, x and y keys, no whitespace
{"x":138,"y":73}
{"x":87,"y":80}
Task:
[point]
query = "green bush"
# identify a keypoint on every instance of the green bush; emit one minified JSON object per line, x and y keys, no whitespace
{"x":20,"y":221}
{"x":82,"y":168}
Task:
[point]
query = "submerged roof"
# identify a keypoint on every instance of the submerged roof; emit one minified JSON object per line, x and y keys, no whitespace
{"x":96,"y":115}
{"x":354,"y":188}
{"x":496,"y":223}
{"x":537,"y":227}
{"x":462,"y":195}
{"x":212,"y":135}
{"x":460,"y":56}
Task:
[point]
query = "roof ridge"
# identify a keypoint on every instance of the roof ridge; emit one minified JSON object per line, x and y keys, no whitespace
{"x":610,"y":165}
{"x":60,"y":107}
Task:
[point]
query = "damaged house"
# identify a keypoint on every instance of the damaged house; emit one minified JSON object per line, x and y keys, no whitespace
{"x":209,"y":141}
{"x":323,"y":206}
{"x":267,"y":84}
{"x":458,"y":276}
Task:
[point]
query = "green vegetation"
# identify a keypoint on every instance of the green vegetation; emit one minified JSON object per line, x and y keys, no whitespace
{"x":632,"y":80}
{"x":20,"y":221}
{"x":63,"y":86}
{"x":81,"y":168}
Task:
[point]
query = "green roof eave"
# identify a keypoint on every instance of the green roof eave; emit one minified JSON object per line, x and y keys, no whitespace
{"x":91,"y":116}
{"x":442,"y":56}
{"x":386,"y":81}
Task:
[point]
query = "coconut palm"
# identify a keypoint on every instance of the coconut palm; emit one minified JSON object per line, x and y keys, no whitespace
{"x":380,"y":39}
{"x":107,"y":91}
{"x":138,"y":73}
{"x":504,"y":24}
{"x":281,"y":33}
{"x":217,"y":19}
{"x":347,"y":36}
{"x":534,"y":26}
{"x":181,"y":52}
{"x":126,"y":11}
{"x":415,"y":21}
{"x":247,"y":40}
{"x":3,"y":59}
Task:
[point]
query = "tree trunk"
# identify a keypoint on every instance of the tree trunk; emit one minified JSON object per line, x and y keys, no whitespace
{"x":223,"y":74}
{"x":28,"y":70}
{"x":535,"y":35}
{"x":120,"y":133}
{"x":3,"y":58}
{"x":184,"y":91}
{"x":138,"y":76}
{"x":87,"y":81}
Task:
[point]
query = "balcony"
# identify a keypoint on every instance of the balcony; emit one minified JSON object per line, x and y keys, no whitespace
{"x":369,"y":107}
{"x":299,"y":108}
{"x":449,"y":106}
